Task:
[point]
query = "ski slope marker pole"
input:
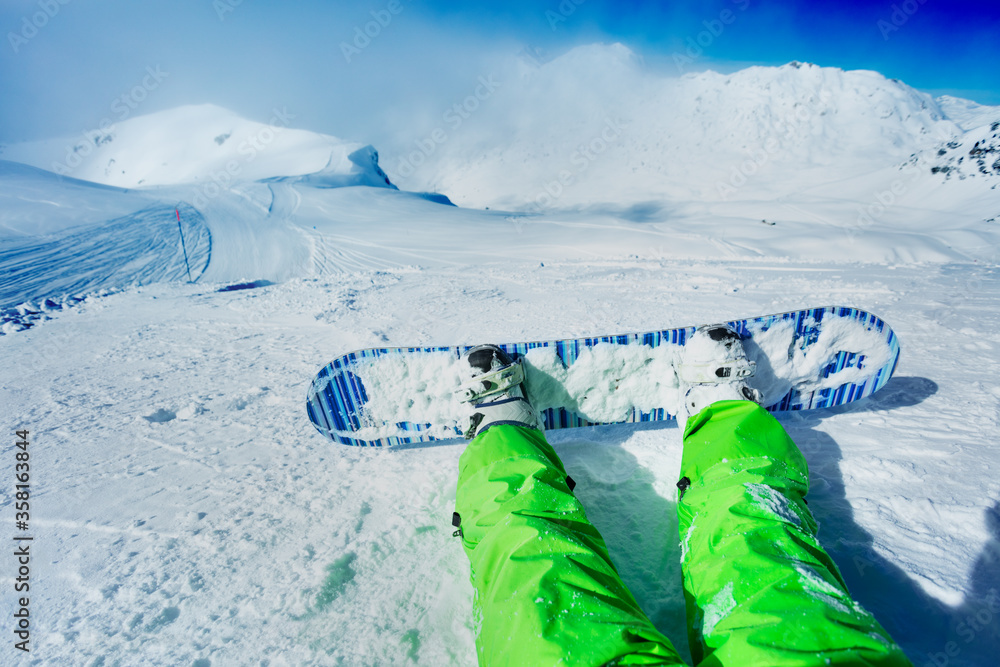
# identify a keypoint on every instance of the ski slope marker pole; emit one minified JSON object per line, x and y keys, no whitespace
{"x":177,"y":210}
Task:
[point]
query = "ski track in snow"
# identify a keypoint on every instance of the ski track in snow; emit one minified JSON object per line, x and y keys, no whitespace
{"x":140,"y":248}
{"x":183,"y":504}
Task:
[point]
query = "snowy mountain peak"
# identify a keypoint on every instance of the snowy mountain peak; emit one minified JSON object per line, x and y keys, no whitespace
{"x":594,"y":126}
{"x":201,"y":143}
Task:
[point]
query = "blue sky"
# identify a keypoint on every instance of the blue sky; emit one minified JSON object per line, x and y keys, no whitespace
{"x":934,"y":45}
{"x":63,"y":76}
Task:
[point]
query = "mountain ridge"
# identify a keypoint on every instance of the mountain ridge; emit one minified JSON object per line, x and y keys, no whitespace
{"x":681,"y":137}
{"x":202,"y":143}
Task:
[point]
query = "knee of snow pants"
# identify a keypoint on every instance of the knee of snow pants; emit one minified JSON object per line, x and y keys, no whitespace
{"x":759,"y":588}
{"x":546,"y":590}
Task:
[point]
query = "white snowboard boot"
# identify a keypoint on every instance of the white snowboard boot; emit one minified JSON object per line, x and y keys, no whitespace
{"x":497,"y":392}
{"x":714,"y":367}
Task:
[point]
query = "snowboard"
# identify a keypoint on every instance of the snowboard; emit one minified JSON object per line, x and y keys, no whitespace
{"x":805,"y":359}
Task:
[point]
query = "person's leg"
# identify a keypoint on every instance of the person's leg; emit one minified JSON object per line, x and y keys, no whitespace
{"x":760,"y":589}
{"x":546,"y":590}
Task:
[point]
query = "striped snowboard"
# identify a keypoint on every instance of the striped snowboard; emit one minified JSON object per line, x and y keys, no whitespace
{"x":337,"y":396}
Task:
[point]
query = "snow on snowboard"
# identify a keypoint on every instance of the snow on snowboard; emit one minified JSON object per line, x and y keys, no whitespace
{"x":806,"y":359}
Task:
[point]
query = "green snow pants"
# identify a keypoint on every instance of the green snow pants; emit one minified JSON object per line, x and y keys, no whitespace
{"x":759,"y":588}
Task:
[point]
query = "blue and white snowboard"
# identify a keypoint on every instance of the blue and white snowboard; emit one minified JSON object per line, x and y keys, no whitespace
{"x":806,"y":359}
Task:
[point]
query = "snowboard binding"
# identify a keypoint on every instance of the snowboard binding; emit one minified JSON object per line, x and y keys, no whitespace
{"x":714,"y":367}
{"x":495,"y":373}
{"x":496,"y":391}
{"x":714,"y":354}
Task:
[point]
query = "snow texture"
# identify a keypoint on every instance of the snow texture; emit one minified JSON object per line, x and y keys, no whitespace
{"x":767,"y":499}
{"x":781,"y":365}
{"x":720,"y":606}
{"x":605,"y":382}
{"x":422,"y":388}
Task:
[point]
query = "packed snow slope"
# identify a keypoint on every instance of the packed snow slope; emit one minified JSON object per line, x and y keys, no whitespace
{"x":183,"y":509}
{"x":61,"y":238}
{"x":282,"y":229}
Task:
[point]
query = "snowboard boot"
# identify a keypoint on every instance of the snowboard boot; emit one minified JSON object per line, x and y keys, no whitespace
{"x":714,"y":367}
{"x":497,"y":392}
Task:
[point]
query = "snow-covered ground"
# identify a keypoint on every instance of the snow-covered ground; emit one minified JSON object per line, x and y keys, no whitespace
{"x":184,"y":504}
{"x":185,"y":512}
